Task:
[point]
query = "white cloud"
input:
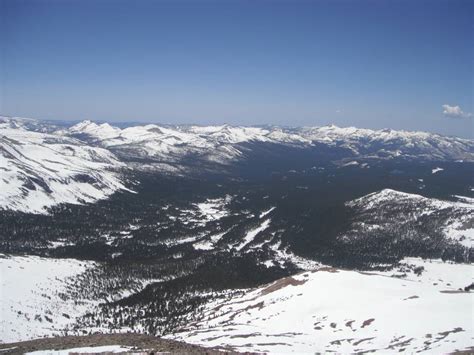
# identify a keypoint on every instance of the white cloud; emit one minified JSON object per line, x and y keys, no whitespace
{"x":455,"y":111}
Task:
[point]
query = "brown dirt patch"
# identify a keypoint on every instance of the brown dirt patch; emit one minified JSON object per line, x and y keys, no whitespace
{"x":454,"y":291}
{"x":467,"y":351}
{"x":367,"y":322}
{"x":277,"y":285}
{"x":326,"y":269}
{"x":142,"y":343}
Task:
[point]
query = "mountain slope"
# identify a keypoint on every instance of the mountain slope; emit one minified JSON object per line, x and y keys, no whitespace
{"x":315,"y":312}
{"x":394,"y":223}
{"x":376,"y":211}
{"x":40,"y":170}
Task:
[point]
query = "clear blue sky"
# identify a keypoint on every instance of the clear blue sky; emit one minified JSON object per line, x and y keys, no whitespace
{"x":371,"y":64}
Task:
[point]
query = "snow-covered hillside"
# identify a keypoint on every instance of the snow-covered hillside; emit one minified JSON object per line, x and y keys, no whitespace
{"x":39,"y":170}
{"x":394,"y":210}
{"x":33,"y":296}
{"x":44,"y":297}
{"x":422,"y":308}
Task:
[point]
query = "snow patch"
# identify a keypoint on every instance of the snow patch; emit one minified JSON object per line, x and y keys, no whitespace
{"x":265,"y":213}
{"x":250,"y":236}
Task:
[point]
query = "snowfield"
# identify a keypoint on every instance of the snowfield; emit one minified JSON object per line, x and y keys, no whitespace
{"x":32,"y":296}
{"x":331,"y":310}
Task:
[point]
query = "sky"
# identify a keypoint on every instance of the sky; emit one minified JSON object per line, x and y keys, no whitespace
{"x":401,"y":64}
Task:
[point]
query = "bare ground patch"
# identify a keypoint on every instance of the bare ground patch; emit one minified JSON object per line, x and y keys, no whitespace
{"x":139,"y":342}
{"x":277,"y":285}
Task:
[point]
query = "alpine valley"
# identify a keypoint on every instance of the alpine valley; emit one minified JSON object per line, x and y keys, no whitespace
{"x":258,"y":239}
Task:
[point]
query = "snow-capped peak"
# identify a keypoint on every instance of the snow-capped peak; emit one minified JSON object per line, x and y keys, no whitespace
{"x":221,"y":142}
{"x":100,"y":131}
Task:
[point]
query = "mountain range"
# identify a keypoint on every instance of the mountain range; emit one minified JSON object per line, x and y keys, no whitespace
{"x":225,"y":236}
{"x":44,"y":165}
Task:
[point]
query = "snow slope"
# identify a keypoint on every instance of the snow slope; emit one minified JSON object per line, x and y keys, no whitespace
{"x":40,"y":170}
{"x":332,"y":310}
{"x":31,"y":293}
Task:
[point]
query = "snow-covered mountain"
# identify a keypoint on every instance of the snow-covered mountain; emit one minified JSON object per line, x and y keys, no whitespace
{"x":224,"y":144}
{"x":171,"y":144}
{"x":392,"y":143}
{"x":40,"y":170}
{"x":421,"y":307}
